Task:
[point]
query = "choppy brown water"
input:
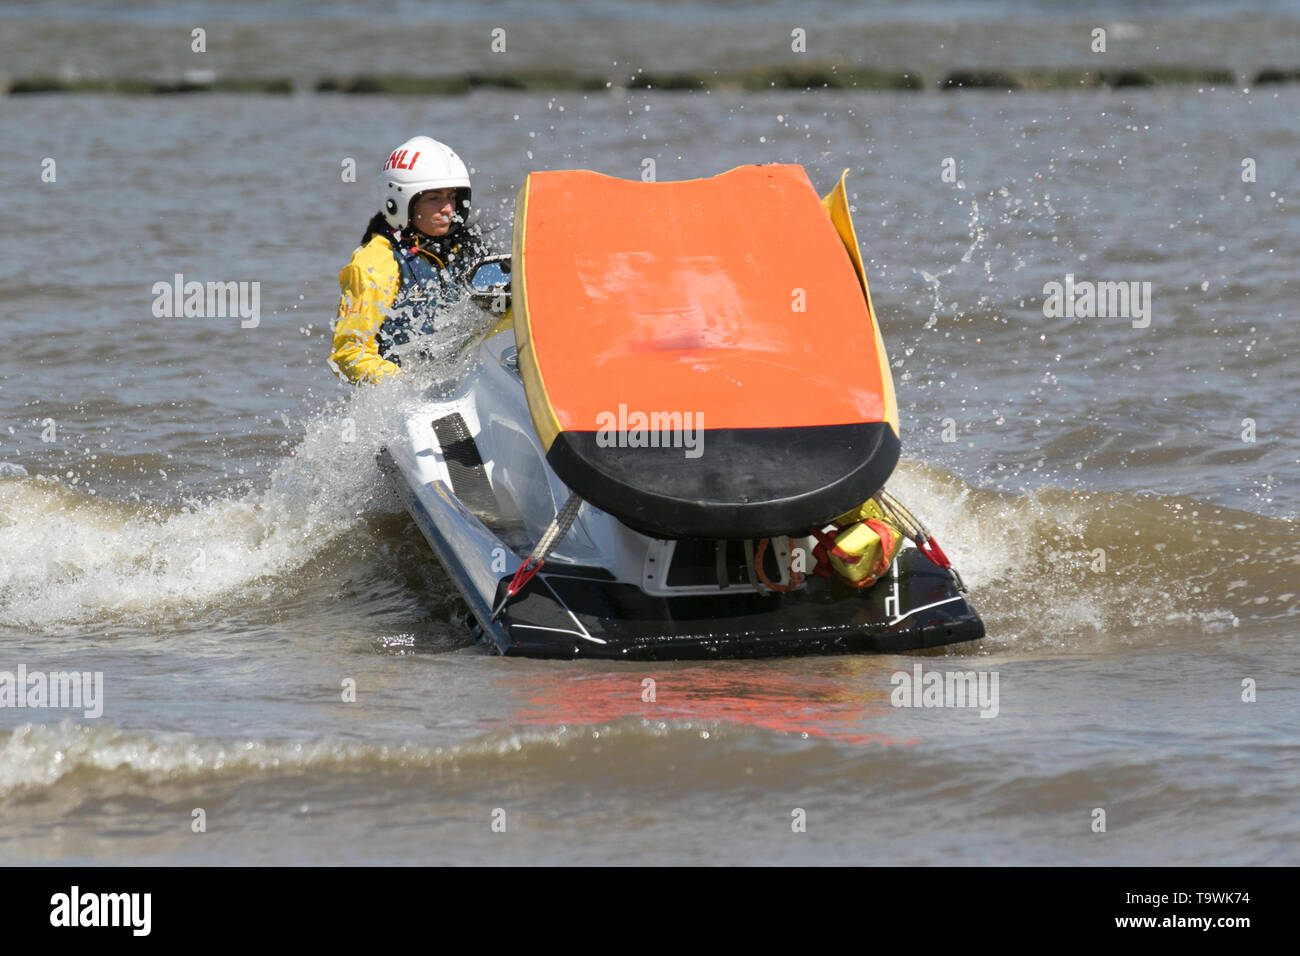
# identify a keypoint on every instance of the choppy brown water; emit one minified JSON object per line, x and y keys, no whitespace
{"x":1119,"y":688}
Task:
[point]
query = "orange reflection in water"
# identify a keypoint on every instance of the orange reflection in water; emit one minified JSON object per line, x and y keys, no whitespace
{"x":836,"y":698}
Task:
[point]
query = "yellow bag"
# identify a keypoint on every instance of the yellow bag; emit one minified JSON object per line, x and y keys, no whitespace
{"x":867,"y":511}
{"x":865,"y":547}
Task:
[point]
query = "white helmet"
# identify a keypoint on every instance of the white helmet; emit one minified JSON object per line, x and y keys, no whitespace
{"x":418,"y":164}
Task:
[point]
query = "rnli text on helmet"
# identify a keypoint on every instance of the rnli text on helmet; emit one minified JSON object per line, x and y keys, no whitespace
{"x":395,"y":160}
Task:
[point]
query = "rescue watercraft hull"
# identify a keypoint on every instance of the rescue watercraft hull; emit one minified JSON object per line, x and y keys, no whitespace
{"x":665,"y":450}
{"x":473,"y":476}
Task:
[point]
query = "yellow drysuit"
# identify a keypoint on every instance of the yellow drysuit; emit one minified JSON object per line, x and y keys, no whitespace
{"x":369,"y":285}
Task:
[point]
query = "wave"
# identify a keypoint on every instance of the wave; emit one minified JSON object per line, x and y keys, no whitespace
{"x":41,"y":758}
{"x":1050,"y":565}
{"x":68,"y":557}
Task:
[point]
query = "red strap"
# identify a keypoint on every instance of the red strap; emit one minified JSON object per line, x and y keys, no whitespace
{"x":930,"y":548}
{"x":825,"y":538}
{"x":825,"y":542}
{"x":523,"y":576}
{"x":886,"y":535}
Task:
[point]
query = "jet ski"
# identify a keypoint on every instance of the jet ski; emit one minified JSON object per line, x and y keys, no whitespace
{"x":663,"y":447}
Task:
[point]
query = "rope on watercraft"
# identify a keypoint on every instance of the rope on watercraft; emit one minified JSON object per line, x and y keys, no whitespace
{"x":912,"y":527}
{"x":553,"y":535}
{"x":796,"y":579}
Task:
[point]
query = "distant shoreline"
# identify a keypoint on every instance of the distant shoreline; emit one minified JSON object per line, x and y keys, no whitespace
{"x":754,"y":80}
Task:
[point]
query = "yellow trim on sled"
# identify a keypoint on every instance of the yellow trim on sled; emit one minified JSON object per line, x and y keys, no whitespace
{"x":539,"y":405}
{"x":836,"y":204}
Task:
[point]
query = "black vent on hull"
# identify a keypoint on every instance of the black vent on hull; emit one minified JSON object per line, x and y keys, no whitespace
{"x":469,"y":481}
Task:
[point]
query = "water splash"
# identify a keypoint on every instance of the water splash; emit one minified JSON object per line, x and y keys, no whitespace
{"x":70,"y":558}
{"x":977,"y":235}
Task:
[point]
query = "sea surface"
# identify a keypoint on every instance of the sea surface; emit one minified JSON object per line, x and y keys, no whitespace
{"x":194,"y":523}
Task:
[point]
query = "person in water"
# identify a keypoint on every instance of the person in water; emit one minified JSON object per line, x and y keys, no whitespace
{"x":414,"y":251}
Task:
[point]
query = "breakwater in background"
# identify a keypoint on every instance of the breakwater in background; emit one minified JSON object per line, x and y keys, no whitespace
{"x":754,"y":80}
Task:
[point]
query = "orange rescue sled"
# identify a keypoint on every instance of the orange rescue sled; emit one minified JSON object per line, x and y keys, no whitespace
{"x":701,"y":358}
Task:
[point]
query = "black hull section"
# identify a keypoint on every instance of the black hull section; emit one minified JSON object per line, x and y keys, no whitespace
{"x":582,"y":613}
{"x":744,"y":482}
